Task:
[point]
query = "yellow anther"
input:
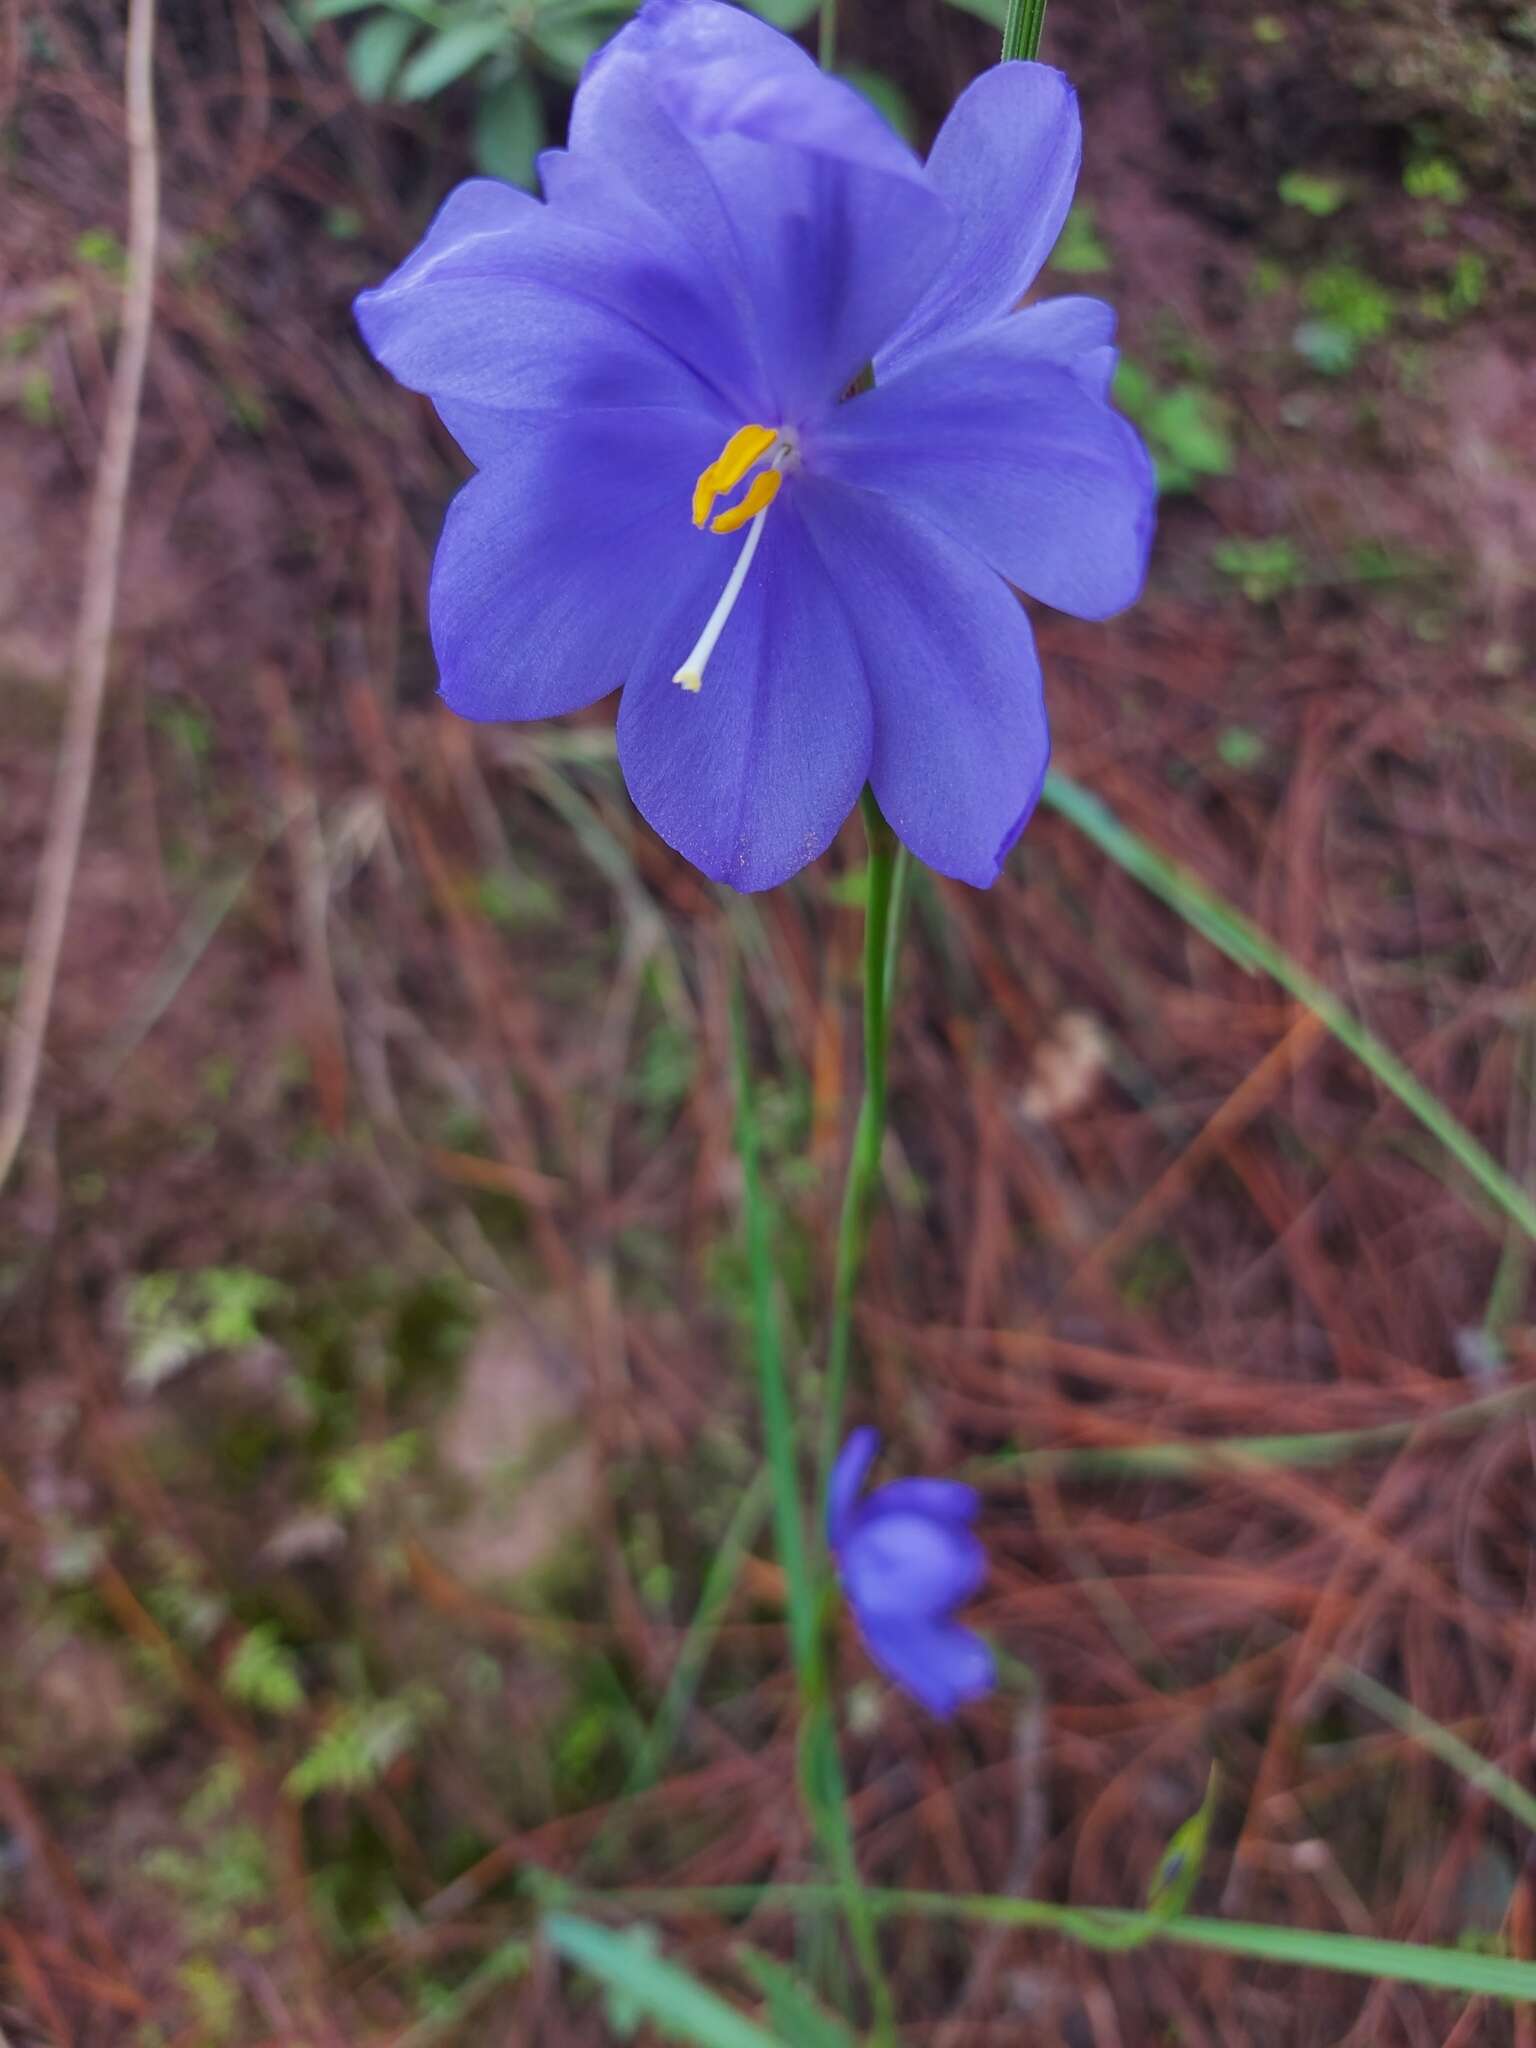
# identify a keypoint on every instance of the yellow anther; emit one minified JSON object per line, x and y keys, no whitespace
{"x":761,"y":493}
{"x":746,"y":446}
{"x":741,"y":454}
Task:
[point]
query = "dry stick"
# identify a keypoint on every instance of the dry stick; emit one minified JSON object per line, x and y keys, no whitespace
{"x":98,"y":602}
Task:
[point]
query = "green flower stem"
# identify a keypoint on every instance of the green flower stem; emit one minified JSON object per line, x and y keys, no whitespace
{"x":822,"y":1785}
{"x":826,"y":35}
{"x":772,"y":1379}
{"x":1021,"y":31}
{"x":887,"y":892}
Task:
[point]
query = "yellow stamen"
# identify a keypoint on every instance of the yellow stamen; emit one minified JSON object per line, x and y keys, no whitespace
{"x":742,"y":453}
{"x":761,"y":493}
{"x":746,"y":446}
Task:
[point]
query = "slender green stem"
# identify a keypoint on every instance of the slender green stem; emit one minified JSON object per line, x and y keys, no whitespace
{"x":1021,"y":31}
{"x":1253,"y":949}
{"x":826,"y":36}
{"x":822,"y":1785}
{"x":1442,"y":1742}
{"x":720,"y":1582}
{"x":772,"y":1379}
{"x":1232,"y":1455}
{"x":901,"y":891}
{"x":869,"y":1134}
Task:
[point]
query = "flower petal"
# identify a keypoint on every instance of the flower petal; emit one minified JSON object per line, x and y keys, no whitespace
{"x":508,"y":304}
{"x":961,"y":741}
{"x":1006,"y":160}
{"x":946,"y":1500}
{"x":1014,"y":457}
{"x":750,"y":777}
{"x":1060,"y":330}
{"x":941,"y":1664}
{"x":847,"y":1476}
{"x":801,"y":200}
{"x":909,"y":1564}
{"x":553,"y":560}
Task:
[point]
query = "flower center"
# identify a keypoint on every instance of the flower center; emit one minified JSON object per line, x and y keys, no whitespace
{"x":746,"y":449}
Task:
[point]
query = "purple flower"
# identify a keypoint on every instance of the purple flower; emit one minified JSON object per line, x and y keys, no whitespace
{"x":797,"y":594}
{"x":907,"y":1556}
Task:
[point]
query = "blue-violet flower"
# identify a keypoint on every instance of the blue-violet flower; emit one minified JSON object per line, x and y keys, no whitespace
{"x":907,"y":1557}
{"x":800,"y":586}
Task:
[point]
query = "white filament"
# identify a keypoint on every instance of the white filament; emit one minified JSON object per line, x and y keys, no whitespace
{"x":691,"y":674}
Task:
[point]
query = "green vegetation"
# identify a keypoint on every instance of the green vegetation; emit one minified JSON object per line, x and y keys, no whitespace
{"x":1436,"y":178}
{"x":1079,"y":252}
{"x":174,"y":1318}
{"x":361,"y":1741}
{"x":1262,"y":569}
{"x":1314,"y":193}
{"x":1349,"y":310}
{"x":1186,"y":427}
{"x":412,"y":50}
{"x":264,"y":1673}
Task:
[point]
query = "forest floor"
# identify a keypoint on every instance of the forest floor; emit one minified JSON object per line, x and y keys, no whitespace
{"x":375,"y":1387}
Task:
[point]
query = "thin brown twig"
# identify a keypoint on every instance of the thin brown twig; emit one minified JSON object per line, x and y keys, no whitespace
{"x":98,"y":602}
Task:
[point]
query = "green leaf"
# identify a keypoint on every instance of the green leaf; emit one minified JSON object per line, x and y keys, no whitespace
{"x":375,"y":52}
{"x":1327,"y":346}
{"x":785,"y":14}
{"x":449,"y":55}
{"x":887,"y":100}
{"x":101,"y":248}
{"x":356,"y":1475}
{"x":566,"y":39}
{"x":1240,"y":747}
{"x":793,"y":2013}
{"x":993,"y":12}
{"x":1313,"y":193}
{"x":214,"y":1997}
{"x":625,"y":2013}
{"x":1348,"y":299}
{"x":332,"y":10}
{"x":1435,"y":177}
{"x":675,"y":2002}
{"x":360,"y":1744}
{"x":1185,"y":427}
{"x":509,"y":130}
{"x":264,"y":1673}
{"x":1262,"y":569}
{"x":1179,"y":1866}
{"x":174,"y":1318}
{"x":1079,"y":252}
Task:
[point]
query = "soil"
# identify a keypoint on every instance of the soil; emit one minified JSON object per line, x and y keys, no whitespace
{"x":387,"y":1048}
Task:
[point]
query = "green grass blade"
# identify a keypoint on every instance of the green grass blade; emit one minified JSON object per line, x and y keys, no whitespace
{"x":1243,"y":941}
{"x":773,"y":1380}
{"x":791,"y":2009}
{"x":1398,"y":1962}
{"x":715,"y":1598}
{"x":1232,"y":1453}
{"x":678,"y":2004}
{"x":502,"y":1966}
{"x":1461,"y":1757}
